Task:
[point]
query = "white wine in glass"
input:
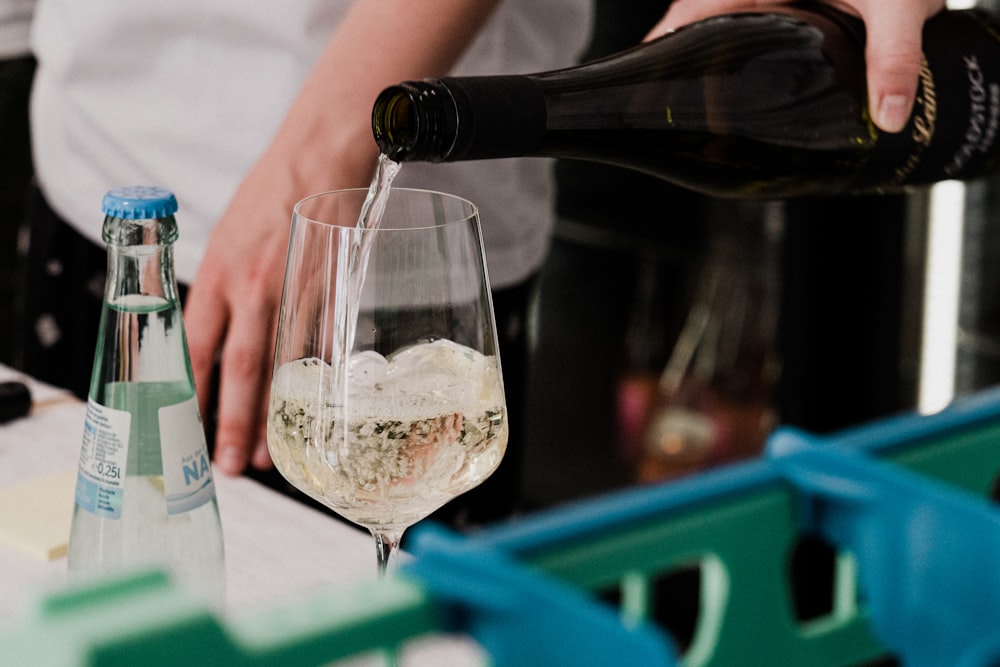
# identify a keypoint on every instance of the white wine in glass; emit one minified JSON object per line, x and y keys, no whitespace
{"x":387,"y":396}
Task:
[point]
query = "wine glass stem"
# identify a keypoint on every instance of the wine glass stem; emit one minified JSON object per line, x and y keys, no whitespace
{"x":386,"y":546}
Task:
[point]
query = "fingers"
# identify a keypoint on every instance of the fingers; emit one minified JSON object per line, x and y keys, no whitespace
{"x":244,"y":379}
{"x":894,"y":30}
{"x":260,"y":457}
{"x":205,"y":324}
{"x":893,"y":54}
{"x":244,"y":332}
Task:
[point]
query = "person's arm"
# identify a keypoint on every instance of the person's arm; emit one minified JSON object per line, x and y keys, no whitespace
{"x":894,"y":30}
{"x":324,"y":143}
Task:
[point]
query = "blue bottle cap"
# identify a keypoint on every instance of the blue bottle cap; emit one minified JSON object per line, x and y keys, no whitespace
{"x":139,"y":202}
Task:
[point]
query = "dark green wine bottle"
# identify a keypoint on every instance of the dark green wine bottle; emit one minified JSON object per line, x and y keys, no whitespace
{"x":765,"y":104}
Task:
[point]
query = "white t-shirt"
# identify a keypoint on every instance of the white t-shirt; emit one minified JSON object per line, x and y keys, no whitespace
{"x":186,"y":95}
{"x":15,"y":26}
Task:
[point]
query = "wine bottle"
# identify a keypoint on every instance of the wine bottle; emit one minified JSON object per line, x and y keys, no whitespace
{"x":145,"y":496}
{"x":770,"y":103}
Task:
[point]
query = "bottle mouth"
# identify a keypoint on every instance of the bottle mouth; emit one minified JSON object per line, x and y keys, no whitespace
{"x":414,"y":120}
{"x":394,"y":121}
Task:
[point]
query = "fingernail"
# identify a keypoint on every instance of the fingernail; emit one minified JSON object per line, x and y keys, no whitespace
{"x":893,"y":112}
{"x":230,"y":460}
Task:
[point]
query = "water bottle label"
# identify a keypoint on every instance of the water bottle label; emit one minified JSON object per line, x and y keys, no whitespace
{"x":187,"y":472}
{"x":100,"y":480}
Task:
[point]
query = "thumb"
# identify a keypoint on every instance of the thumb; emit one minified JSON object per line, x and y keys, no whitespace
{"x":893,"y":56}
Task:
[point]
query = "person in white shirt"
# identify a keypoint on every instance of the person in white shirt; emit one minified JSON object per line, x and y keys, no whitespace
{"x":243,"y":108}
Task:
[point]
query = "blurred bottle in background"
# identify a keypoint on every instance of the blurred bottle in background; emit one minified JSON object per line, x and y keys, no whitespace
{"x":623,"y":251}
{"x":715,"y":400}
{"x":645,"y":350}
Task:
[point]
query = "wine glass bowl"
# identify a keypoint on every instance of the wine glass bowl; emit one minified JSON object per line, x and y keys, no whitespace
{"x":387,"y":394}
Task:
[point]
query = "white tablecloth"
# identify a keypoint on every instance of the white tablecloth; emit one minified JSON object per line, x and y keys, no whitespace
{"x":275,"y":547}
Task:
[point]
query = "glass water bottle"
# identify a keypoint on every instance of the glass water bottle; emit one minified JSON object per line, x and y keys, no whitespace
{"x":144,"y":495}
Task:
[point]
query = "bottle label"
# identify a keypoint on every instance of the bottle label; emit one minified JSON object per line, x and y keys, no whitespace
{"x":100,"y":480}
{"x":187,"y":473}
{"x":953,"y":130}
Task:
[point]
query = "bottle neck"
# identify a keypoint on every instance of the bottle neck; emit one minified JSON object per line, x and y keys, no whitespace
{"x":415,"y":120}
{"x":140,"y":259}
{"x":467,"y":118}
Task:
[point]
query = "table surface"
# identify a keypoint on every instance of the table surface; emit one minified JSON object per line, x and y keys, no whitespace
{"x":275,"y":546}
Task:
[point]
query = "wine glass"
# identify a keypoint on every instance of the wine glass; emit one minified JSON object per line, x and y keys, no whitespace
{"x":387,"y":396}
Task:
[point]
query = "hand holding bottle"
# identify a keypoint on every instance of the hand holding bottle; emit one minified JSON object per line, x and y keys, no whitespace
{"x":893,"y":45}
{"x":765,"y":104}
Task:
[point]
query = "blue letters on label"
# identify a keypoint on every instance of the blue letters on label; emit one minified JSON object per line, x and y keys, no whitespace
{"x":104,"y":501}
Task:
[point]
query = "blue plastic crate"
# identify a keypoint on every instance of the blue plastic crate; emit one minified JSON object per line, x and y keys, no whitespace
{"x":903,"y":499}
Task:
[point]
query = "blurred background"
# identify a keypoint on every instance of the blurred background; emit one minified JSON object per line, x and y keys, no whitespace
{"x":851,"y":308}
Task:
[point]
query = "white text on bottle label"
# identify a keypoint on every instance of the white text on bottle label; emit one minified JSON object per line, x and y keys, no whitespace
{"x":187,"y":473}
{"x":100,"y":481}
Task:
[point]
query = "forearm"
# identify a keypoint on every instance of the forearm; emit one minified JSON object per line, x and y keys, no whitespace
{"x":326,"y":136}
